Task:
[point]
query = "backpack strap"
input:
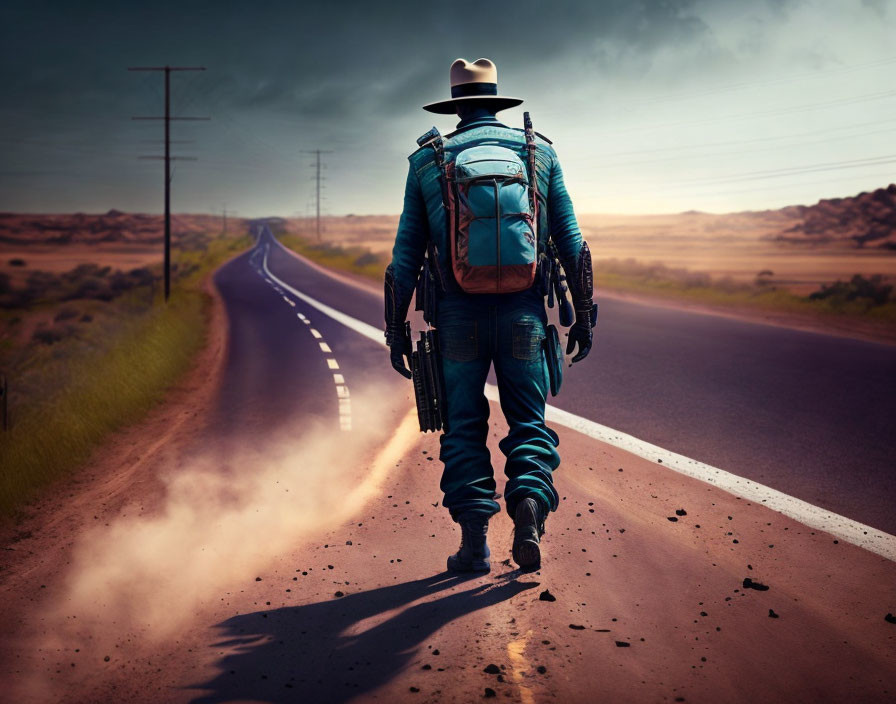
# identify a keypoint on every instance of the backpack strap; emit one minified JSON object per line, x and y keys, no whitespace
{"x":533,"y":176}
{"x":433,"y":139}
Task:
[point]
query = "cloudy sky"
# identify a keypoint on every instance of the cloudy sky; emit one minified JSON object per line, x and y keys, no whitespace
{"x":653,"y":106}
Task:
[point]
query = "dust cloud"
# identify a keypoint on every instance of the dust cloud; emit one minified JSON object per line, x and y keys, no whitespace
{"x":227,"y":514}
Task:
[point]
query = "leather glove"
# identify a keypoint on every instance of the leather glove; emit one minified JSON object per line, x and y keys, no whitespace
{"x":580,"y":334}
{"x":397,"y":352}
{"x":396,"y":332}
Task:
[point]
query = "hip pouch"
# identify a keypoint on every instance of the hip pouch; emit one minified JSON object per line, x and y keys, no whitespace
{"x":491,"y":220}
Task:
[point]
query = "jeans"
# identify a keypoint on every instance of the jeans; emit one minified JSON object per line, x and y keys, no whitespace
{"x":476,"y":331}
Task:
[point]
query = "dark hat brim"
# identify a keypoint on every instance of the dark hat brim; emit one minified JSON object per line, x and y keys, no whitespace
{"x":496,"y":102}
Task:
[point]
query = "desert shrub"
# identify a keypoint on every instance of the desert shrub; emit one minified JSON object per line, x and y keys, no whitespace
{"x":142,"y":276}
{"x":42,"y":280}
{"x":655,"y":273}
{"x":56,"y":333}
{"x":83,"y":271}
{"x":183,"y":269}
{"x":764,"y":277}
{"x":85,"y":281}
{"x":92,"y":287}
{"x":17,"y":262}
{"x":874,"y":291}
{"x":39,"y":286}
{"x":86,"y":318}
{"x":367,"y":258}
{"x":66,"y":313}
{"x":690,"y":279}
{"x":119,"y":282}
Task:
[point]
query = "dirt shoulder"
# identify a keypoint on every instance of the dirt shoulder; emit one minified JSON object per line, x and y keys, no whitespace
{"x":124,"y":468}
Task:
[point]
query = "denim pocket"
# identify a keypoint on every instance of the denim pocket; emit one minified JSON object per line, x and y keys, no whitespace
{"x":459,"y":341}
{"x":528,"y":333}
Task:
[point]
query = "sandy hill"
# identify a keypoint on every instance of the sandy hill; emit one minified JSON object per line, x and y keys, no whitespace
{"x":867,"y":220}
{"x":110,"y":227}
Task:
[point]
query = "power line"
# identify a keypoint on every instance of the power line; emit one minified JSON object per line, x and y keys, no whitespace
{"x":777,"y":187}
{"x":795,"y":170}
{"x":689,"y":185}
{"x":168,"y":158}
{"x":694,"y":155}
{"x":652,"y":150}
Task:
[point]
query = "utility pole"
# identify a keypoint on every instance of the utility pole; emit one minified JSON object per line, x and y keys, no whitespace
{"x":317,"y":166}
{"x":225,"y":219}
{"x":168,"y":158}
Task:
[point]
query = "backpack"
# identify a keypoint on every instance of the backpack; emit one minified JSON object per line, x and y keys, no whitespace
{"x":490,"y":196}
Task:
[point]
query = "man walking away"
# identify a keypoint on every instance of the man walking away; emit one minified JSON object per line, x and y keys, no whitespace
{"x":488,"y":219}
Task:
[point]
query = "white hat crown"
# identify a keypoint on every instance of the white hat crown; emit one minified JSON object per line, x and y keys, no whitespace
{"x":479,"y":71}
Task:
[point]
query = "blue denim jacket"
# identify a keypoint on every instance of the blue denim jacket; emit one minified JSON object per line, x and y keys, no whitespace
{"x":423,"y":215}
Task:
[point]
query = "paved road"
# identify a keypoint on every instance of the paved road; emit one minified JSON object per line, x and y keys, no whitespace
{"x":312,"y":569}
{"x":807,"y":414}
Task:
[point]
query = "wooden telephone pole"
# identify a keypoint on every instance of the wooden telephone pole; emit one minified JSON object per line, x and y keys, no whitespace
{"x":168,"y":158}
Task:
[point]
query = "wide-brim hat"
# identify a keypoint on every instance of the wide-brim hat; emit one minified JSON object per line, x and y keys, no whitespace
{"x":477,"y":81}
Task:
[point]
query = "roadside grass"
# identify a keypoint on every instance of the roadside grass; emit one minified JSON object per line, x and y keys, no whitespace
{"x":112,"y":361}
{"x":866,"y":301}
{"x":355,"y":260}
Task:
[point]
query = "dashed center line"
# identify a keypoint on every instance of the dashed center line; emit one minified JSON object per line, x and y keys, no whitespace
{"x":342,"y":392}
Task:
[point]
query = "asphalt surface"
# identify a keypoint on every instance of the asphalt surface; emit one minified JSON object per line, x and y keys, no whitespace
{"x":805,"y":413}
{"x":210,"y":560}
{"x":276,"y":372}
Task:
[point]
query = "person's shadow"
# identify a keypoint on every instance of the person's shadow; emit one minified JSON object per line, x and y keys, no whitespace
{"x":312,"y":653}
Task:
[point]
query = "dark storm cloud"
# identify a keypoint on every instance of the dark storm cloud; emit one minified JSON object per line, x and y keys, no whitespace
{"x":342,"y":74}
{"x":321,"y":59}
{"x":351,"y":76}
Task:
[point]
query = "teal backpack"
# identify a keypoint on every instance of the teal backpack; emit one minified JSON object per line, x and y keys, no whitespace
{"x":491,"y":198}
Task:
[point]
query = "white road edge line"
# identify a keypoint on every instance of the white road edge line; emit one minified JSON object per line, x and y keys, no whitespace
{"x":871,"y":539}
